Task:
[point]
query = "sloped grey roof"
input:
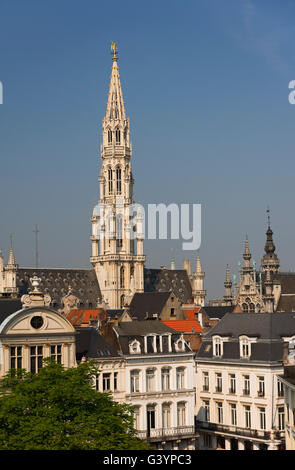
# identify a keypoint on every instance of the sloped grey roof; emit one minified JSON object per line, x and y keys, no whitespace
{"x":89,"y":343}
{"x":136,"y":330}
{"x":217,"y":311}
{"x":9,"y":306}
{"x":268,"y":328}
{"x":145,"y":304}
{"x":165,"y":280}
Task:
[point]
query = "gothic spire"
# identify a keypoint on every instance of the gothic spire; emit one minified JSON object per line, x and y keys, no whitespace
{"x":115,"y":104}
{"x":11,"y":258}
{"x":270,"y":261}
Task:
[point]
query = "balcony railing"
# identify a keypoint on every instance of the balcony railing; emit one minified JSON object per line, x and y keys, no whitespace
{"x":155,"y":434}
{"x":236,"y":430}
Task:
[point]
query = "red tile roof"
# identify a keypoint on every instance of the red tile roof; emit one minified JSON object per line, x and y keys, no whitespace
{"x":81,"y":317}
{"x":191,"y":313}
{"x":185,"y":326}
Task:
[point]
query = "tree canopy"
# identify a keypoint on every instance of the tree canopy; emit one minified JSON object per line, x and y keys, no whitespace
{"x":58,"y":409}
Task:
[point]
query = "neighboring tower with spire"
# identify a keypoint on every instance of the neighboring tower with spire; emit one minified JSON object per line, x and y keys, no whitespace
{"x":197,"y":280}
{"x":117,"y":255}
{"x":8,"y":274}
{"x":268,"y":296}
{"x":249,"y":296}
{"x":270,"y":262}
{"x":228,"y":298}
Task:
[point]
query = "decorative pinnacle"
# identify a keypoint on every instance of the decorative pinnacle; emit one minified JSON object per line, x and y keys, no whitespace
{"x":114,"y":49}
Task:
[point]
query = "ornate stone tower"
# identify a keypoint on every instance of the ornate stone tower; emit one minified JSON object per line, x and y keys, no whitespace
{"x":197,"y":280}
{"x":270,"y":262}
{"x":117,"y":240}
{"x":228,"y":298}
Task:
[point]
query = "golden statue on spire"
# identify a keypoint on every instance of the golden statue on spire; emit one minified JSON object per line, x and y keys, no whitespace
{"x":114,"y":50}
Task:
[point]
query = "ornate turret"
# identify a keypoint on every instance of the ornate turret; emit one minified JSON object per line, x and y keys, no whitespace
{"x":197,"y":280}
{"x":228,"y":298}
{"x":270,"y":262}
{"x":10,"y":270}
{"x":268,"y":297}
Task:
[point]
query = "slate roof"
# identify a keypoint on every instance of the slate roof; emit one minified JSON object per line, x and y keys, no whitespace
{"x":9,"y":306}
{"x":56,"y":283}
{"x":89,"y":343}
{"x":143,"y":305}
{"x":164,"y":280}
{"x":269,"y":328}
{"x":217,"y":311}
{"x":128,"y":331}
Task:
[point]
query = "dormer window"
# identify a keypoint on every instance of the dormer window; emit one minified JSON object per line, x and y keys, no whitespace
{"x":134,"y":347}
{"x":180,"y":345}
{"x":217,"y":346}
{"x":245,"y":347}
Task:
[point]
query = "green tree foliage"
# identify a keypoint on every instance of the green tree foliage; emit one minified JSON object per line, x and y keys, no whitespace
{"x":58,"y":409}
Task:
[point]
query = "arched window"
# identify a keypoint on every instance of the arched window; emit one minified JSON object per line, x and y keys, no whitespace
{"x":118,"y":180}
{"x":258,"y":308}
{"x":252,"y":308}
{"x":122,"y":301}
{"x":122,"y":277}
{"x":110,"y":176}
{"x":166,"y":415}
{"x":110,"y":137}
{"x":245,"y":308}
{"x":119,"y":230}
{"x":118,"y":136}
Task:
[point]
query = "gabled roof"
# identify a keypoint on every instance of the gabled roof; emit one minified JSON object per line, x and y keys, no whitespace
{"x":217,"y":311}
{"x":184,"y":326}
{"x":145,"y":304}
{"x":164,"y":280}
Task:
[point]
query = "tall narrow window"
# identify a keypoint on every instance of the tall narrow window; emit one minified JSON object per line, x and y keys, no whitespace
{"x":16,"y":357}
{"x":232,"y":383}
{"x":281,"y":418}
{"x":247,"y":416}
{"x":262,"y":418}
{"x":150,"y":380}
{"x":110,"y":176}
{"x":134,"y":381}
{"x":36,"y":358}
{"x":136,"y":415}
{"x":181,"y":411}
{"x":165,"y":379}
{"x":55,"y":352}
{"x":119,"y":231}
{"x":180,"y":378}
{"x":219,"y":382}
{"x":246,"y":390}
{"x":261,"y":389}
{"x":118,"y":180}
{"x":166,"y":415}
{"x":219,"y":412}
{"x":205,"y":381}
{"x":122,"y":277}
{"x":206,"y":405}
{"x":106,"y":382}
{"x":118,"y":136}
{"x":233,"y":412}
{"x":110,"y":137}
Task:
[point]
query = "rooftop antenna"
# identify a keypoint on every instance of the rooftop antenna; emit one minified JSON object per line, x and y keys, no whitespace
{"x":36,"y":231}
{"x":268,"y":216}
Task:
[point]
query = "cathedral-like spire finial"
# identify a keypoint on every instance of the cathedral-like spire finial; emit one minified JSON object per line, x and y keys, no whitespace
{"x":114,"y":49}
{"x":115,"y":105}
{"x":268,"y":216}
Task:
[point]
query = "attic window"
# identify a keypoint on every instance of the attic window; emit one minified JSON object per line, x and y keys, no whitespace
{"x":134,"y":347}
{"x":245,"y":347}
{"x":217,"y":346}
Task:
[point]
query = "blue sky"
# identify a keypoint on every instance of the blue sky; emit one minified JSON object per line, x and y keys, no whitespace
{"x":206,"y":88}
